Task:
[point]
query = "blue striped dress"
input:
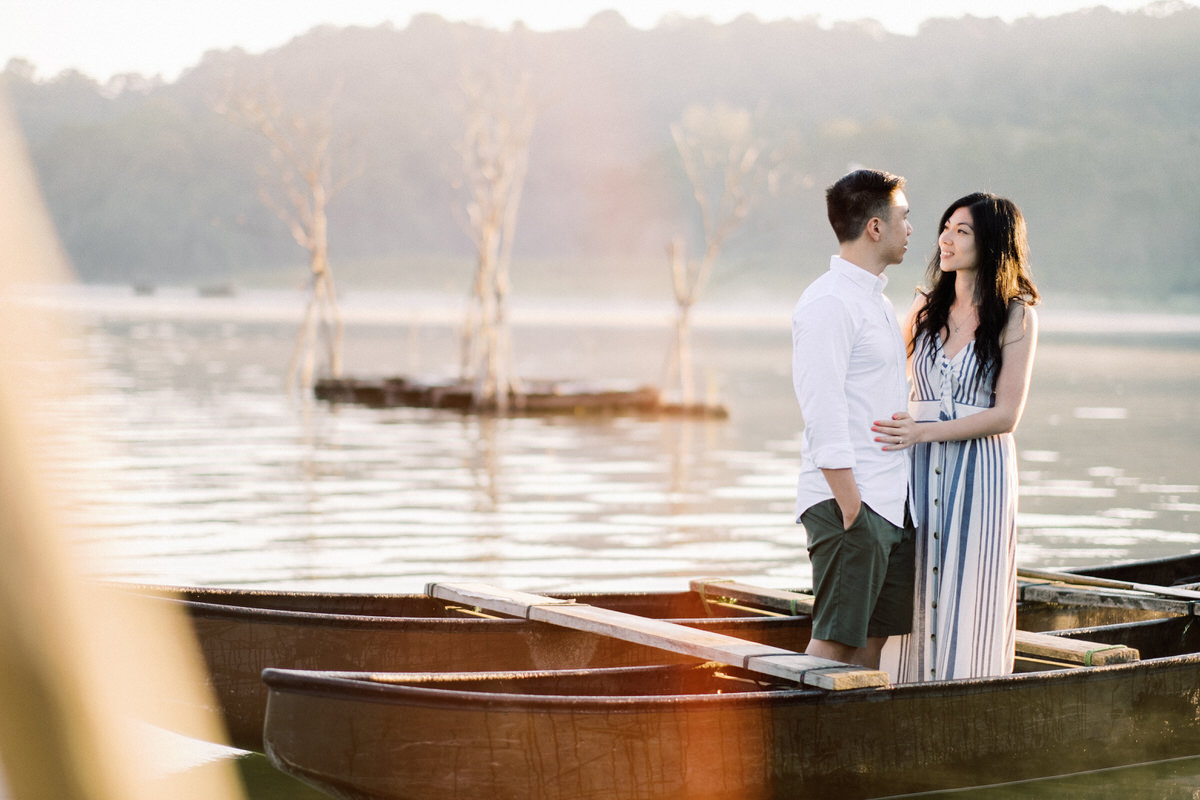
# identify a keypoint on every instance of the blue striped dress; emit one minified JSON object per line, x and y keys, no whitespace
{"x":964,"y":498}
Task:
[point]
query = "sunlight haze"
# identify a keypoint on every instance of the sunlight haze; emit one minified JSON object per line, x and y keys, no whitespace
{"x":151,"y":37}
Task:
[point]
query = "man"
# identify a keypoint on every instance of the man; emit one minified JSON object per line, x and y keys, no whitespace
{"x":848,"y":370}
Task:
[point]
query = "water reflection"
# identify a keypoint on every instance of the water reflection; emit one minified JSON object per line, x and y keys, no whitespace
{"x":205,"y":472}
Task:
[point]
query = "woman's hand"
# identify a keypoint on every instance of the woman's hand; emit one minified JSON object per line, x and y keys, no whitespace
{"x":897,"y":433}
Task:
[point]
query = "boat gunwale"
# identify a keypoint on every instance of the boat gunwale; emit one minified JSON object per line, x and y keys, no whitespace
{"x":214,"y":609}
{"x":363,"y":686}
{"x":383,"y":623}
{"x":1137,"y":565}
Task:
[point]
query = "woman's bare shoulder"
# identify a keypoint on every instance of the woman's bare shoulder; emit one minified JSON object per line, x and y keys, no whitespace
{"x":1022,"y":322}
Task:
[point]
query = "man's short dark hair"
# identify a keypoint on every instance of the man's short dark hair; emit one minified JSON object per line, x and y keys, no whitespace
{"x":855,"y":198}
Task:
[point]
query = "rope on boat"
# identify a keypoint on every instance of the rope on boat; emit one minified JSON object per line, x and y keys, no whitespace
{"x":1087,"y":657}
{"x":704,"y":598}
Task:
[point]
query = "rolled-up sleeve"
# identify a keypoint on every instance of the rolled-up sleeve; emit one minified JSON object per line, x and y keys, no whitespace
{"x":822,"y":338}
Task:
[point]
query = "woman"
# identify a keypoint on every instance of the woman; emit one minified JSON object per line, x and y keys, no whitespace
{"x":971,"y":341}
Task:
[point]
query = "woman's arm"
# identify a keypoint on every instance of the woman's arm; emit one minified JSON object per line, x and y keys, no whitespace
{"x":1012,"y":389}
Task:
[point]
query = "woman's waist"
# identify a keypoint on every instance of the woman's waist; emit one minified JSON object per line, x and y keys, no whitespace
{"x":931,"y":410}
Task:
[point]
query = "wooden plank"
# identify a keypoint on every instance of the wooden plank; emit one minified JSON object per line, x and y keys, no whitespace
{"x":757,"y":611}
{"x":1073,"y":651}
{"x":1072,"y":579}
{"x":1050,"y":592}
{"x":706,"y":645}
{"x":1063,"y":595}
{"x":1032,"y":644}
{"x":793,"y":603}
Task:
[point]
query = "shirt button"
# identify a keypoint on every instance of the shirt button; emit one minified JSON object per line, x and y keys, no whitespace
{"x":935,"y":534}
{"x":936,"y":502}
{"x":937,"y":470}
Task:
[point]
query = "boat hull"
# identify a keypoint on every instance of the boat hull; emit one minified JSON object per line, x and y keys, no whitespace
{"x":1166,"y":571}
{"x":587,"y":736}
{"x":240,"y":634}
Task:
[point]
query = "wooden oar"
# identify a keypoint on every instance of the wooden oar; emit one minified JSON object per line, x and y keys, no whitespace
{"x":1040,"y":645}
{"x":706,"y":645}
{"x":1073,"y":579}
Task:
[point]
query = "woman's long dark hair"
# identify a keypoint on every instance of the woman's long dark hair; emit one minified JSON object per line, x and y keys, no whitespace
{"x":1002,"y":278}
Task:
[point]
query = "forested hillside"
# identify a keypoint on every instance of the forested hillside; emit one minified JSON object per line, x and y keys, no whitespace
{"x":1090,"y":121}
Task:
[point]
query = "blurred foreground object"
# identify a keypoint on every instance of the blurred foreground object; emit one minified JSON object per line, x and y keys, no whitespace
{"x":80,"y":674}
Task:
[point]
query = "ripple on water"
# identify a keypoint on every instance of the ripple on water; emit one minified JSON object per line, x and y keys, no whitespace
{"x":216,"y":477}
{"x":1066,"y":488}
{"x":1101,"y":413}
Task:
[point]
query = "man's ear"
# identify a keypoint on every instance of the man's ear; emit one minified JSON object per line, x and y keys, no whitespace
{"x":875,"y":228}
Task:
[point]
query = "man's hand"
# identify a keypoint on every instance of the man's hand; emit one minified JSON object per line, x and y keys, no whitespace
{"x":845,"y":493}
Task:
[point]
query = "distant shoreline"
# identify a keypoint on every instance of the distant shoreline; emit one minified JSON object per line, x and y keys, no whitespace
{"x":424,"y":307}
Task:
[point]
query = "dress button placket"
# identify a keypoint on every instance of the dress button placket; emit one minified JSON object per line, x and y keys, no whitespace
{"x":938,"y":459}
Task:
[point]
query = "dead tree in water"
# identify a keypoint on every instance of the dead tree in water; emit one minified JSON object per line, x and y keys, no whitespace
{"x":723,"y":161}
{"x":298,"y":187}
{"x":499,"y":116}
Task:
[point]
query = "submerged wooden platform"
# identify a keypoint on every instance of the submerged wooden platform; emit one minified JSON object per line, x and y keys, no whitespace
{"x":539,"y":397}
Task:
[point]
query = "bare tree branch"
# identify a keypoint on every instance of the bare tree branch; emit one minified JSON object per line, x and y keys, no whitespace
{"x":722,"y":158}
{"x":297,"y":189}
{"x":499,"y":115}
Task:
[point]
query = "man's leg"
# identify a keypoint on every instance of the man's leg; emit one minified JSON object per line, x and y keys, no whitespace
{"x":869,"y":656}
{"x":836,"y":651}
{"x":847,"y":573}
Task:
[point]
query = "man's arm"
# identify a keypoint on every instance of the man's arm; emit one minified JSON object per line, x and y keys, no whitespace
{"x":845,"y":493}
{"x":822,"y":338}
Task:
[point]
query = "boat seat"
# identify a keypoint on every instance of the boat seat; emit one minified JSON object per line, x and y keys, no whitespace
{"x":1075,"y":652}
{"x":1036,"y":646}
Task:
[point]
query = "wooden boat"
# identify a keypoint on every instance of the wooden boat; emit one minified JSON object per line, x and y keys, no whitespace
{"x":241,"y":632}
{"x":1181,"y":570}
{"x":713,"y":732}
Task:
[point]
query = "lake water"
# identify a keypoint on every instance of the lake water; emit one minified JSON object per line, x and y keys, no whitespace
{"x":202,"y":470}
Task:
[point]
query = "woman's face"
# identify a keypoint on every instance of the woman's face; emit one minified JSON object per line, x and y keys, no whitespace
{"x":956,"y":244}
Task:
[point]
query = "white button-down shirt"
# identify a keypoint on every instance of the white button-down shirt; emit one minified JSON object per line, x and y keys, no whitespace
{"x":848,"y":370}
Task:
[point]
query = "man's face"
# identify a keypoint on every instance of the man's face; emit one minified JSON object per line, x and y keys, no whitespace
{"x":896,"y":230}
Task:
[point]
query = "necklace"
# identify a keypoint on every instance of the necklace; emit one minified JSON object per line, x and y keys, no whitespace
{"x":952,"y":324}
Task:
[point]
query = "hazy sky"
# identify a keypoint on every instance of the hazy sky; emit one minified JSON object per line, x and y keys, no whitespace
{"x":105,"y":37}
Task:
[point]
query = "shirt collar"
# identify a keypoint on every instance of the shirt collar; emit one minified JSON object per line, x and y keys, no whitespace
{"x":858,"y":276}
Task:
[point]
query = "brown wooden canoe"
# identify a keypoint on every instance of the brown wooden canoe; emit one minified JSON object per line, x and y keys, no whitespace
{"x":715,"y":733}
{"x":242,"y":632}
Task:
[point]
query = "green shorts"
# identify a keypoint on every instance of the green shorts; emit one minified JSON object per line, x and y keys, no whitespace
{"x":863,"y":577}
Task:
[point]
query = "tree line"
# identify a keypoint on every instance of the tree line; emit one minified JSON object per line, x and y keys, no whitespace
{"x":1089,"y":121}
